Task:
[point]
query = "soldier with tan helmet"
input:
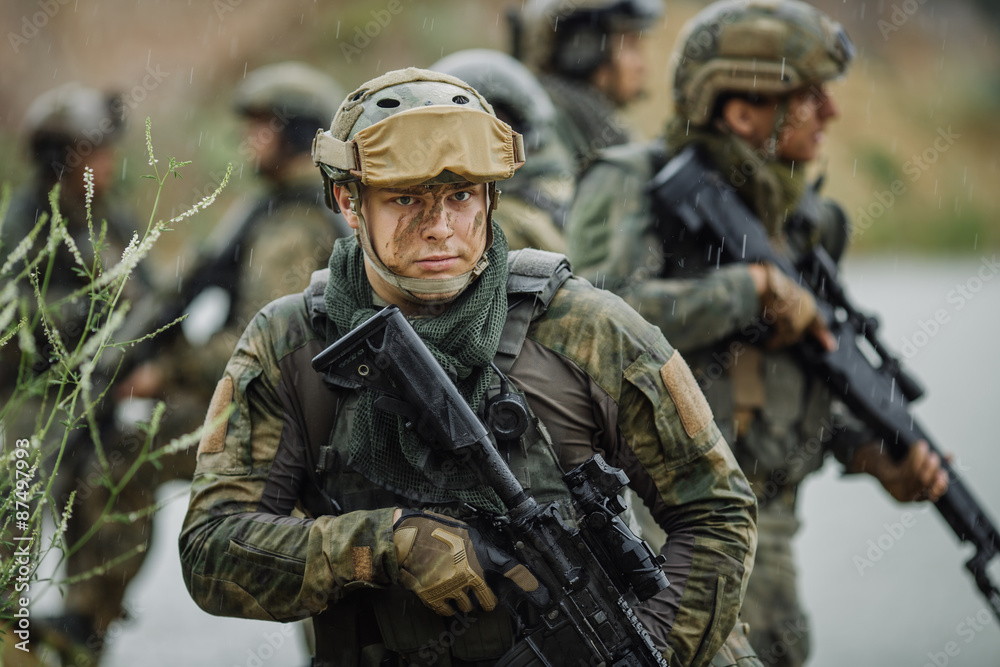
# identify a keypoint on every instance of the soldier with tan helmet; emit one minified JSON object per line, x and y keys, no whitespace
{"x":753,"y":101}
{"x":389,"y":562}
{"x":588,"y":56}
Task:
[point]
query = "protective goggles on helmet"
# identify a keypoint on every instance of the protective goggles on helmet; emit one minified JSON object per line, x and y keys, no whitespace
{"x":414,"y":146}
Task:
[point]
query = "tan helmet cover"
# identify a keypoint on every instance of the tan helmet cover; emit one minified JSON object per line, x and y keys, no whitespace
{"x":469,"y":143}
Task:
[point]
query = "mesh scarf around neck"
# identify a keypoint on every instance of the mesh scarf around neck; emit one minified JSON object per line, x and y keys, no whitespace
{"x":463,"y":338}
{"x":771,"y":188}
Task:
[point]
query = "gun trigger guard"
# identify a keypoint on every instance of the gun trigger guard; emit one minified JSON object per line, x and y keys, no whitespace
{"x":398,"y":407}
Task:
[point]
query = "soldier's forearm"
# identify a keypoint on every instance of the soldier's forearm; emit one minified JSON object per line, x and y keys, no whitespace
{"x":271,"y":567}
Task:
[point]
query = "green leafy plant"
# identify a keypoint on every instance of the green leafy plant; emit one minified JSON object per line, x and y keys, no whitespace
{"x":57,"y":374}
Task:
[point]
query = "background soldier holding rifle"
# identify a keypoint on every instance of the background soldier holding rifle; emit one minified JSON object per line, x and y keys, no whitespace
{"x":752,"y":103}
{"x":391,"y":543}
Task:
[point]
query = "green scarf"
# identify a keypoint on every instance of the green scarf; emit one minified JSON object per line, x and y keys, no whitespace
{"x":771,"y":188}
{"x":463,"y":338}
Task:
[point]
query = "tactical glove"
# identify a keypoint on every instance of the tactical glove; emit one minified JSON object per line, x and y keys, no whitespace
{"x":788,"y":309}
{"x":442,"y":559}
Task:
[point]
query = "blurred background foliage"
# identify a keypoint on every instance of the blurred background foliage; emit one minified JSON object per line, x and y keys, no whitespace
{"x":926,"y":69}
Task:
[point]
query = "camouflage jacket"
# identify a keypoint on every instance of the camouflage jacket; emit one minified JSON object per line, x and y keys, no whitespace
{"x":598,"y":377}
{"x":780,"y":421}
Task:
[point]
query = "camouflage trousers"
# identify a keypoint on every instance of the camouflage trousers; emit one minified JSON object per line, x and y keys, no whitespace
{"x":779,"y":628}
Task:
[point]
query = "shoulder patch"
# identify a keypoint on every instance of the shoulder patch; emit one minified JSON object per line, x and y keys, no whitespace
{"x":692,"y":408}
{"x":213,"y":440}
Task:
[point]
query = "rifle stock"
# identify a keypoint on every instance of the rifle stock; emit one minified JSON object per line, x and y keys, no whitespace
{"x":590,"y":572}
{"x":870,"y":382}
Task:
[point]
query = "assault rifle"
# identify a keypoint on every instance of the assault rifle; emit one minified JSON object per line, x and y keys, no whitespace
{"x":861,"y":371}
{"x":592,"y":573}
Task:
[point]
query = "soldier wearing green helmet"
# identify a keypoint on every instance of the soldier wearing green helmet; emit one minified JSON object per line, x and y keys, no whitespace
{"x":388,"y":561}
{"x":752,"y":98}
{"x":588,"y":56}
{"x":266,"y":244}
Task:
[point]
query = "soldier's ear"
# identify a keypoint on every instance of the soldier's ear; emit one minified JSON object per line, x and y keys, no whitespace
{"x":749,"y":121}
{"x":342,"y":195}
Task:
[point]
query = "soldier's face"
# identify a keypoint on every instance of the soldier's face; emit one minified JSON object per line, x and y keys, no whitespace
{"x":623,"y":77}
{"x":434,"y":232}
{"x":262,"y":143}
{"x":809,"y":111}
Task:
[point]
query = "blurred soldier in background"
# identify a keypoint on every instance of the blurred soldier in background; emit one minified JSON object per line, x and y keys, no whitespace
{"x":536,"y":198}
{"x":588,"y":56}
{"x":68,"y":129}
{"x":266,"y":245}
{"x":270,"y":241}
{"x":751,"y":97}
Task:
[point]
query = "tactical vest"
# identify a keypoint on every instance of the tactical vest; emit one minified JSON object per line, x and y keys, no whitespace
{"x":371,"y":625}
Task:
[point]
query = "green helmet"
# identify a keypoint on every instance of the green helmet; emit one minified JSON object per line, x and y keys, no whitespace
{"x":415,"y":127}
{"x":510,"y":87}
{"x":70,"y":118}
{"x":570,"y":37}
{"x":301,"y":97}
{"x":289,"y":87}
{"x":763,"y":47}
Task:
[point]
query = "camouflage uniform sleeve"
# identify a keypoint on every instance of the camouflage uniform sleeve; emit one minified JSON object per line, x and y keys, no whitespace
{"x":239,"y":560}
{"x":704,"y":501}
{"x":613,"y":242}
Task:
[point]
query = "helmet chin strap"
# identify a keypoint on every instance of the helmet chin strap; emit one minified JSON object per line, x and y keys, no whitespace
{"x":411,"y":287}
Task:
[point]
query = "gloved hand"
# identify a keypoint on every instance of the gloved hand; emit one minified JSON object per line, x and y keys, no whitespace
{"x":442,"y":559}
{"x":790,"y":310}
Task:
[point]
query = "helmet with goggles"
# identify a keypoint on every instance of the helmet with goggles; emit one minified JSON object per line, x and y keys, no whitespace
{"x":755,"y":47}
{"x":415,"y":127}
